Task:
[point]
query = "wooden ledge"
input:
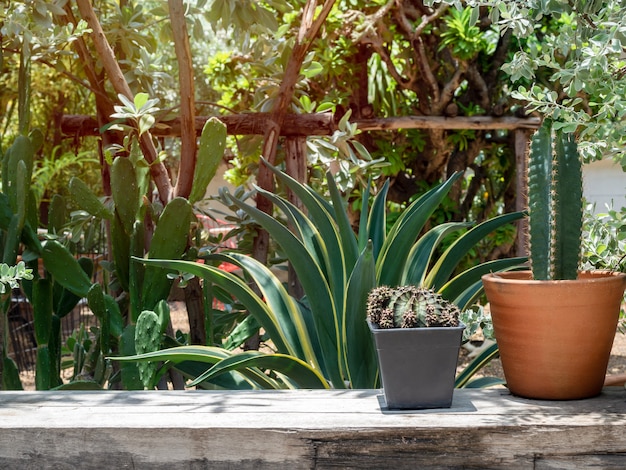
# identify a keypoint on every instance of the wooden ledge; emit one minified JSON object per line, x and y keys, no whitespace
{"x":306,"y":429}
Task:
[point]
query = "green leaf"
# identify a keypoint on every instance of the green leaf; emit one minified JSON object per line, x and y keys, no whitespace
{"x":480,"y":361}
{"x":358,"y":347}
{"x":142,"y":101}
{"x":405,"y":231}
{"x":10,"y":375}
{"x":204,"y":354}
{"x":65,"y":268}
{"x":349,"y":243}
{"x":87,"y":200}
{"x":280,"y":303}
{"x":315,"y":285}
{"x":297,"y":371}
{"x":422,"y":252}
{"x":464,"y":288}
{"x":244,"y":330}
{"x":304,"y":230}
{"x":363,"y":236}
{"x":146,"y":121}
{"x":236,"y":287}
{"x":377,"y":220}
{"x":485,"y":382}
{"x":313,"y":69}
{"x":169,"y":241}
{"x":324,"y":217}
{"x":210,"y":155}
{"x":445,"y":265}
{"x":125,"y":192}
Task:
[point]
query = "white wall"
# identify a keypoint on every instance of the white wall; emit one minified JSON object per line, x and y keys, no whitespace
{"x":604,"y":182}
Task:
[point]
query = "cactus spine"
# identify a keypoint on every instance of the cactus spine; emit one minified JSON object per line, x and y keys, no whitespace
{"x":555,"y":204}
{"x":148,"y":335}
{"x":410,"y":307}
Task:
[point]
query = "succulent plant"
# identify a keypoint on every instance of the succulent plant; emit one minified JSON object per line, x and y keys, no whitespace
{"x":410,"y":306}
{"x":555,"y":204}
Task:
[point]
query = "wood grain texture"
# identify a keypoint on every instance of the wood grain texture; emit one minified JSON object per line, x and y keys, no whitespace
{"x":306,"y":429}
{"x":309,"y":124}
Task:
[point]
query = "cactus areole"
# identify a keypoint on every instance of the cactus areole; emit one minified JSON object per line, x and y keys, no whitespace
{"x":410,"y":307}
{"x":555,"y":204}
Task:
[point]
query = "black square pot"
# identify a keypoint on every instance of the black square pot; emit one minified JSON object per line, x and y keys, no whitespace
{"x":418,"y":365}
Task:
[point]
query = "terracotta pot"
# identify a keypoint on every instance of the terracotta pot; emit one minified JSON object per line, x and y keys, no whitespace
{"x":555,"y":337}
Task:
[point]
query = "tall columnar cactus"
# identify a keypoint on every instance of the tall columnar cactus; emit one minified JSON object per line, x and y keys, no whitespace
{"x":410,"y":307}
{"x":554,"y":203}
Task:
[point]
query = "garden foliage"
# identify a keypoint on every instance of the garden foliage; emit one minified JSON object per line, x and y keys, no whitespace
{"x":322,"y":339}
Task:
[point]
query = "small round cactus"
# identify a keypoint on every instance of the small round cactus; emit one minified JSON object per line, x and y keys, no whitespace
{"x":410,"y":307}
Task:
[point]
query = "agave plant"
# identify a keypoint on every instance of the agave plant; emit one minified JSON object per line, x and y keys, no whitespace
{"x":322,"y":339}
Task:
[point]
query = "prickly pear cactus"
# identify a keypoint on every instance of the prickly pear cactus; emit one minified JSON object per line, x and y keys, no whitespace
{"x":410,"y":307}
{"x":147,"y":339}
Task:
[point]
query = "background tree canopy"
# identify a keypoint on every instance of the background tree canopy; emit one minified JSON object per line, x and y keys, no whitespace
{"x":371,"y":59}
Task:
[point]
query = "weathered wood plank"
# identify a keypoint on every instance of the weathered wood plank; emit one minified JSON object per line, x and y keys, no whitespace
{"x":306,"y":429}
{"x":442,"y":122}
{"x":236,"y":124}
{"x":311,"y":124}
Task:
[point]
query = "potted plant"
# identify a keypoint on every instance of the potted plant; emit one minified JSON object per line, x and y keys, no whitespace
{"x":555,"y":325}
{"x":417,"y":334}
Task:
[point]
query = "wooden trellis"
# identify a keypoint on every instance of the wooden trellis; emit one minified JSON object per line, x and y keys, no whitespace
{"x":299,"y":126}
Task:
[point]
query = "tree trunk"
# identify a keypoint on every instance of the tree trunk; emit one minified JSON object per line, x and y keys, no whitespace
{"x":189,"y":145}
{"x":195,"y":312}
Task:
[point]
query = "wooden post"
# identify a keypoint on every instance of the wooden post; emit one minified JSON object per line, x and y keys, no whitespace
{"x":296,"y":166}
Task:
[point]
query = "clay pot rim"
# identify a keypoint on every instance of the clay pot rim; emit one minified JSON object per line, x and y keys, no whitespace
{"x":525,"y":277}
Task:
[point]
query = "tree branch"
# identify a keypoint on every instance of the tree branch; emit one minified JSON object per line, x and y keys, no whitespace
{"x":306,"y":35}
{"x":188,"y":149}
{"x":110,"y":64}
{"x":426,"y":20}
{"x":478,"y":83}
{"x":427,"y":73}
{"x":444,"y":98}
{"x":85,"y":58}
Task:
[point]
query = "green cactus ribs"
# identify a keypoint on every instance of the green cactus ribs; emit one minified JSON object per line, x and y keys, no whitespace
{"x":554,"y":203}
{"x":410,"y":307}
